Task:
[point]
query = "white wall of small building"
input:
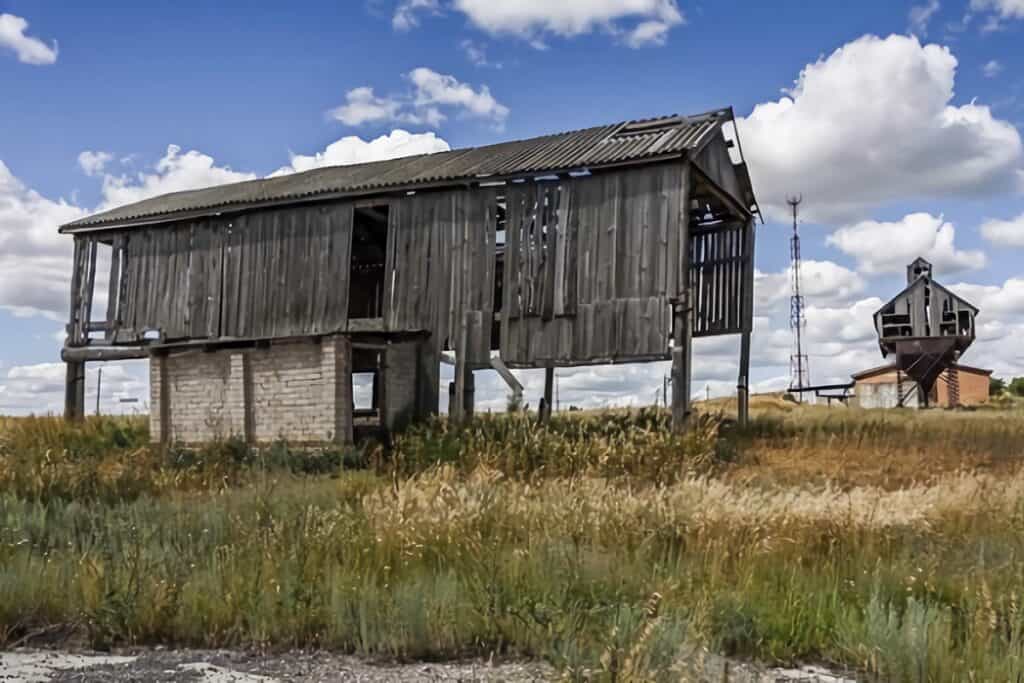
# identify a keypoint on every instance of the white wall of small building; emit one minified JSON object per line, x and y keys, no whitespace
{"x":887,"y":394}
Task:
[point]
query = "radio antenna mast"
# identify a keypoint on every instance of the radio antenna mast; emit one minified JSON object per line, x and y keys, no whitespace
{"x":799,"y":369}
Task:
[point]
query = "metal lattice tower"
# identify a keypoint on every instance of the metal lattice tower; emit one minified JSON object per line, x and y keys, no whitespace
{"x":799,"y":368}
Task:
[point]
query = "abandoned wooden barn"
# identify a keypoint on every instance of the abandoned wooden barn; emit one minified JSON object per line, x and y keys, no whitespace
{"x":258,"y":302}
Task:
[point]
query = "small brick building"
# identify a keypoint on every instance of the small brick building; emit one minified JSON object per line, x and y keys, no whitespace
{"x":888,"y":387}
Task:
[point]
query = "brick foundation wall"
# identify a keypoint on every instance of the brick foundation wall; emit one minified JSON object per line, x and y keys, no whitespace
{"x":973,"y":388}
{"x":293,"y":392}
{"x":204,"y":399}
{"x":289,"y":390}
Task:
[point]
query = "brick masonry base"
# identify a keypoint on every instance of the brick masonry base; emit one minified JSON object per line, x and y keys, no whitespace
{"x":297,"y":391}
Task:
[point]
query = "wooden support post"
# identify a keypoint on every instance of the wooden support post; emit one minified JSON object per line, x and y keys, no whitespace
{"x":74,"y":385}
{"x":747,"y":325}
{"x":549,"y":393}
{"x":457,"y":399}
{"x":74,"y":391}
{"x":682,"y":315}
{"x":428,"y":378}
{"x":469,"y":394}
{"x":457,"y":408}
{"x":343,"y":404}
{"x":88,"y":289}
{"x":743,"y":385}
{"x":114,"y":288}
{"x":681,"y":364}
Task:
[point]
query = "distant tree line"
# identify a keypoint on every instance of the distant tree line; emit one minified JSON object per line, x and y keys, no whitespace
{"x":998,"y":386}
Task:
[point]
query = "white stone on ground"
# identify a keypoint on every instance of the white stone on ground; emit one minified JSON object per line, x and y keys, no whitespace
{"x":39,"y":667}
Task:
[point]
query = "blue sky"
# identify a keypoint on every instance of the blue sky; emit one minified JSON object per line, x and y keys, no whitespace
{"x":902,"y":133}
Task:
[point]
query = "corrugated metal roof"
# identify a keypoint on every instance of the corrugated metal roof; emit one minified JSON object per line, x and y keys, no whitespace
{"x":592,"y":147}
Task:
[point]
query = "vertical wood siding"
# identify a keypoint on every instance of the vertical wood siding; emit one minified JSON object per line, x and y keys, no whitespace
{"x":440,"y":270}
{"x":591,"y":266}
{"x":718,"y":258}
{"x":272,"y":273}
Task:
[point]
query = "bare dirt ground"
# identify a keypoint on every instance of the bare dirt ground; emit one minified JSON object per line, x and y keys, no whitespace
{"x":220,"y":666}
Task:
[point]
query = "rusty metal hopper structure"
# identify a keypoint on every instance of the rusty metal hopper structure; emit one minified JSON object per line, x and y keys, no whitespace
{"x":926,"y":328}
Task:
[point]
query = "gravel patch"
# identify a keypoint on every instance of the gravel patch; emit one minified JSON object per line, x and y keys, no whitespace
{"x":161,"y":665}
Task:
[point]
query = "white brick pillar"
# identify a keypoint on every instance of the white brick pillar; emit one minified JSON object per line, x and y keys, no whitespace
{"x":156,"y":407}
{"x":235,"y":396}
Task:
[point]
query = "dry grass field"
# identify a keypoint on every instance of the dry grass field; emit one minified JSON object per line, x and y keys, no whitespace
{"x":888,"y":543}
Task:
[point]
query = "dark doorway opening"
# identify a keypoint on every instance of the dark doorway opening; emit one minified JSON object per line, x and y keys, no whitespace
{"x":369,"y":258}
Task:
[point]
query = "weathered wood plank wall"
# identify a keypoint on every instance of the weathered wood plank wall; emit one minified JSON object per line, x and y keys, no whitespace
{"x":271,"y":273}
{"x":589,"y":266}
{"x":440,"y":270}
{"x":286,"y":272}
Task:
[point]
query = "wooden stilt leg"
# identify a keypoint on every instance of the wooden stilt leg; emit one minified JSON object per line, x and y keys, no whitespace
{"x":549,"y":393}
{"x":681,"y":366}
{"x":743,"y":385}
{"x":469,"y":393}
{"x":74,"y":391}
{"x":343,"y":404}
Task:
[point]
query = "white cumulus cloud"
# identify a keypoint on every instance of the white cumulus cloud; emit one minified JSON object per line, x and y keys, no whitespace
{"x":874,"y":122}
{"x":636,"y":22}
{"x":476,"y":53}
{"x":362,"y":105}
{"x":1007,"y":233}
{"x":406,"y":13}
{"x":28,"y":49}
{"x":355,"y":150}
{"x":34,"y":260}
{"x":92,"y":163}
{"x":174,"y":172}
{"x":39,"y":388}
{"x":434,"y":90}
{"x":997,"y":11}
{"x":888,"y":246}
{"x":920,"y":15}
{"x":823,"y":282}
{"x":992,"y":68}
{"x":430,"y":96}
